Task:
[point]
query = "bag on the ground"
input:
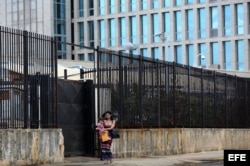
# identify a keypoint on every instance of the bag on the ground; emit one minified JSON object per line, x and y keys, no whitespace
{"x":115,"y":133}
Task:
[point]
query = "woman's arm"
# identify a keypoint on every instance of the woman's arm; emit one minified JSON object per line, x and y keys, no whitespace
{"x":112,"y":126}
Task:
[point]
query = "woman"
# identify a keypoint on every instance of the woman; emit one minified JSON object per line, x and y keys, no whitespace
{"x":109,"y":125}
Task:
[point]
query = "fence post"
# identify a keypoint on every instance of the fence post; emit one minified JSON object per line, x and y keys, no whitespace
{"x":189,"y":107}
{"x":140,"y":90}
{"x":202,"y":98}
{"x":120,"y":84}
{"x":25,"y":62}
{"x":174,"y":86}
{"x":214,"y":104}
{"x":158,"y":93}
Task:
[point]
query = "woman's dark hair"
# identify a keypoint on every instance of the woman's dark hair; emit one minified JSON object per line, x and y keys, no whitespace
{"x":107,"y":112}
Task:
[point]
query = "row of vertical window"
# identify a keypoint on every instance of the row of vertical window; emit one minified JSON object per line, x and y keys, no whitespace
{"x":131,"y":4}
{"x":192,"y":58}
{"x":146,"y":35}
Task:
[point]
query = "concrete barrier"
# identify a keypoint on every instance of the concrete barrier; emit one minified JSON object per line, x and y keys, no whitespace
{"x":170,"y":141}
{"x":31,"y":146}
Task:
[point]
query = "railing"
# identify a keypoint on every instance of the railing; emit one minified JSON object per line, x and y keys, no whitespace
{"x":144,"y":93}
{"x":28,"y":75}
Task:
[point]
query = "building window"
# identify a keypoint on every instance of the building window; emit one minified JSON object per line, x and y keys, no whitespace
{"x":112,"y":32}
{"x":166,"y":17}
{"x":81,"y":8}
{"x":202,"y":22}
{"x":81,"y":34}
{"x":91,"y":56}
{"x":132,"y":5}
{"x":190,"y":24}
{"x":81,"y":57}
{"x":122,"y":29}
{"x":189,"y":2}
{"x":178,"y":2}
{"x":122,"y":6}
{"x":155,"y":52}
{"x":91,"y":7}
{"x":178,"y":54}
{"x":178,"y":26}
{"x":155,"y":27}
{"x":144,"y":52}
{"x":144,"y":5}
{"x":240,"y":54}
{"x":227,"y":55}
{"x":91,"y":29}
{"x":215,"y":53}
{"x":144,"y":29}
{"x":101,"y":33}
{"x":112,"y":6}
{"x":190,"y":55}
{"x":166,"y":3}
{"x":133,"y":31}
{"x":155,"y":4}
{"x":226,"y":20}
{"x":202,"y":52}
{"x":201,"y":1}
{"x":101,"y":5}
{"x":239,"y":19}
{"x":214,"y":22}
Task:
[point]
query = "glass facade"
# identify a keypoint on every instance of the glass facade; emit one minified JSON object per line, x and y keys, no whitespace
{"x":215,"y":53}
{"x":239,"y":19}
{"x":112,"y":32}
{"x":81,"y":8}
{"x":216,"y":29}
{"x":133,"y":30}
{"x":81,"y":33}
{"x":178,"y":26}
{"x":144,"y":29}
{"x":60,"y":27}
{"x":202,"y":52}
{"x":122,"y":31}
{"x":226,"y":20}
{"x":190,"y":55}
{"x":101,"y":33}
{"x":155,"y":27}
{"x":227,"y":55}
{"x":178,"y":54}
{"x":190,"y":24}
{"x":101,"y":6}
{"x":240,"y":54}
{"x":202,"y":22}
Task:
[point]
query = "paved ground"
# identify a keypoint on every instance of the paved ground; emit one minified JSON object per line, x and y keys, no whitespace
{"x":211,"y":158}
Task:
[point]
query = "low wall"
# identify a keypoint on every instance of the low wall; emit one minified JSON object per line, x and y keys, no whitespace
{"x":160,"y":142}
{"x":31,"y":146}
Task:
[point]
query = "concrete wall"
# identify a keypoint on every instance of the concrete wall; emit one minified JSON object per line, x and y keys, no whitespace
{"x":31,"y":146}
{"x":157,"y":142}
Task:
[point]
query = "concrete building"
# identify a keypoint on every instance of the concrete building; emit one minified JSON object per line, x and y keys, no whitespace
{"x":203,"y":33}
{"x":45,"y":17}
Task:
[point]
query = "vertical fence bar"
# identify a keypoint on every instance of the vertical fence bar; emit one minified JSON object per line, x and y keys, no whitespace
{"x":202,"y":99}
{"x":140,"y":90}
{"x":189,"y":107}
{"x":158,"y":93}
{"x":25,"y":62}
{"x":226,"y":100}
{"x":54,"y":72}
{"x":174,"y":86}
{"x":120,"y":83}
{"x":214,"y":101}
{"x":236,"y":100}
{"x":98,"y":80}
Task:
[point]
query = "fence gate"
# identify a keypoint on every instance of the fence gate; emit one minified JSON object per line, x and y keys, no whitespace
{"x":76,"y":116}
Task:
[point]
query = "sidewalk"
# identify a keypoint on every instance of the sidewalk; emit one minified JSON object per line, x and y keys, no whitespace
{"x":210,"y":158}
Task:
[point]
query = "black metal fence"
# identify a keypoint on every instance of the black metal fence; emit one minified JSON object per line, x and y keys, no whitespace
{"x":144,"y":93}
{"x":28,"y":75}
